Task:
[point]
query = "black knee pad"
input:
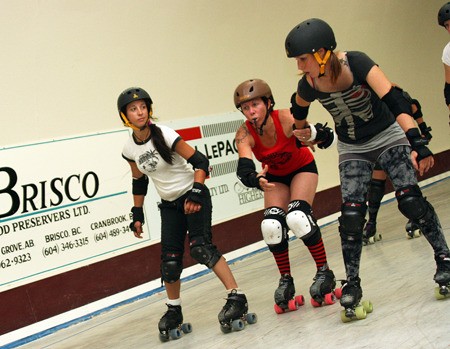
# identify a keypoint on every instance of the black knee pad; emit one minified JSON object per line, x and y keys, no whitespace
{"x":171,"y":270}
{"x":411,"y":202}
{"x":351,"y":221}
{"x":204,"y":252}
{"x":376,"y":192}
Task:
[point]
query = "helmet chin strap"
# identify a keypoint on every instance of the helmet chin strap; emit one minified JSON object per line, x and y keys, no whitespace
{"x":322,"y":62}
{"x":127,"y":122}
{"x":260,"y":129}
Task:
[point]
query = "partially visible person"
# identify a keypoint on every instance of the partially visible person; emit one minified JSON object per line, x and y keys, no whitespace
{"x":373,"y":123}
{"x":289,"y":180}
{"x":178,"y":172}
{"x":378,"y":184}
{"x":444,"y":20}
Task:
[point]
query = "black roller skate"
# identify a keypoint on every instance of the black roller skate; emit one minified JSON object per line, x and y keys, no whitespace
{"x":323,"y":289}
{"x":442,"y":276}
{"x":234,"y":313}
{"x":171,"y":324}
{"x":351,"y":301}
{"x":412,"y":230}
{"x":370,"y":235}
{"x":285,"y":295}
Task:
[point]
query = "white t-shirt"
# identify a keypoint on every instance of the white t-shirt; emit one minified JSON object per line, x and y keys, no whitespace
{"x":446,"y":55}
{"x":171,"y":181}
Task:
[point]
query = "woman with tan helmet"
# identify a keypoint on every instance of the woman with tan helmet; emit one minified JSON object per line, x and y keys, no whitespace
{"x":289,"y":180}
{"x":373,"y":123}
{"x":178,"y":172}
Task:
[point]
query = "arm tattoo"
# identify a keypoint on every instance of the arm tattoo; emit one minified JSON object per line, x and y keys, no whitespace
{"x":242,"y":134}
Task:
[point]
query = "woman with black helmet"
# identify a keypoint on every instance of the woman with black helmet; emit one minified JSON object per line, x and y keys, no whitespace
{"x":444,"y":20}
{"x":178,"y":172}
{"x":371,"y":118}
{"x":289,"y":180}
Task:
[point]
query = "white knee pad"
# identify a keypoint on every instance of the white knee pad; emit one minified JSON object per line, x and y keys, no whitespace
{"x":300,"y":223}
{"x":272,"y":231}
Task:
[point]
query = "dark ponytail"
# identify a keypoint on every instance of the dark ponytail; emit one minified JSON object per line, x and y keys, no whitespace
{"x":160,"y":144}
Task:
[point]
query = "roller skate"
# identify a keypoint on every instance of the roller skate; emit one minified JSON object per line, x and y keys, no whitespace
{"x":351,"y":296}
{"x":323,"y":290}
{"x":284,"y":295}
{"x":412,"y":230}
{"x":234,"y":313}
{"x":171,"y":325}
{"x":442,"y":276}
{"x":370,"y":235}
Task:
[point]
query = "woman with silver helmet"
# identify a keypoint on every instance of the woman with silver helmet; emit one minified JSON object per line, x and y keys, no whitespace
{"x":373,"y":123}
{"x":178,"y":172}
{"x":289,"y":180}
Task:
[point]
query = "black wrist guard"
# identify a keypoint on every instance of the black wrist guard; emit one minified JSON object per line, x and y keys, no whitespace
{"x":325,"y":135}
{"x":246,"y":172}
{"x":425,"y":130}
{"x":299,"y":112}
{"x":138,"y":216}
{"x":196,"y":193}
{"x":418,"y":144}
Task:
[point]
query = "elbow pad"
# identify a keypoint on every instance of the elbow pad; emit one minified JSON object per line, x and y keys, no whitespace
{"x":199,"y":161}
{"x":299,"y":112}
{"x":140,"y":185}
{"x":246,"y":172}
{"x":397,"y":102}
{"x":447,"y":93}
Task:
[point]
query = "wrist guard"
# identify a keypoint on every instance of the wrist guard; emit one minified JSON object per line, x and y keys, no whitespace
{"x":138,"y":216}
{"x":418,"y":144}
{"x":425,"y":130}
{"x":196,"y":193}
{"x":246,"y":172}
{"x":322,"y":134}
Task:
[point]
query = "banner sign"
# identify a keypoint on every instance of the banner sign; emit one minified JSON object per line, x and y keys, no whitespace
{"x":66,"y":203}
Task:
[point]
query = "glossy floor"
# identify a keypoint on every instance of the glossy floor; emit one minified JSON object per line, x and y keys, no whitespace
{"x":397,"y":276}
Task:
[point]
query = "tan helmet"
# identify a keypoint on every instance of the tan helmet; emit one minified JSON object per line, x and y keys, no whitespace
{"x":252,"y":89}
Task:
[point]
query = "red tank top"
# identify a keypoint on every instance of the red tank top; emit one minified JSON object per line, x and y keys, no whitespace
{"x":284,"y":157}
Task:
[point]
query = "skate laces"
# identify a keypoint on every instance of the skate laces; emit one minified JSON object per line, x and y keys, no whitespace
{"x":285,"y":279}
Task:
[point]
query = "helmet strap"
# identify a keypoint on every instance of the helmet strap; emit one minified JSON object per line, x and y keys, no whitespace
{"x":322,"y":62}
{"x":127,"y":122}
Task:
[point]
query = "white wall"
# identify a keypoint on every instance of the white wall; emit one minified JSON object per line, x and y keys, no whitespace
{"x":64,"y":62}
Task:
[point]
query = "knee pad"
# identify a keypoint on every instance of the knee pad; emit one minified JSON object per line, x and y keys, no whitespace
{"x":300,"y":220}
{"x":411,"y":203}
{"x":171,"y":270}
{"x":376,"y":192}
{"x":204,"y":252}
{"x":273,"y":226}
{"x":351,"y":221}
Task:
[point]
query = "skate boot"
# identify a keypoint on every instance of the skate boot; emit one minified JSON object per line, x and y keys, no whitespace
{"x":285,"y":295}
{"x":412,"y":230}
{"x":171,"y":324}
{"x":370,"y":235}
{"x":351,"y":301}
{"x":323,"y":288}
{"x":234,"y":313}
{"x":442,"y":276}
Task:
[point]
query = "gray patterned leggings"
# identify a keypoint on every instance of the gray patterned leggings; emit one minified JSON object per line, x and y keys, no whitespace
{"x":355,"y":176}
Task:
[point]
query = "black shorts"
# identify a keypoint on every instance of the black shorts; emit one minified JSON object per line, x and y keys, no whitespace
{"x":287,"y":179}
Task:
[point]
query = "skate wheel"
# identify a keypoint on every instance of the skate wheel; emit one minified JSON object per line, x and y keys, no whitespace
{"x":439,"y":293}
{"x":417,"y":233}
{"x":163,"y":337}
{"x":360,"y":312}
{"x":237,"y":325}
{"x":186,"y":328}
{"x":315,"y":303}
{"x":175,"y":333}
{"x":251,"y":318}
{"x":371,"y":240}
{"x":329,"y":298}
{"x":292,"y":305}
{"x":344,"y":317}
{"x":368,"y":306}
{"x":338,"y":292}
{"x":378,"y":237}
{"x":300,"y":300}
{"x":278,"y":309}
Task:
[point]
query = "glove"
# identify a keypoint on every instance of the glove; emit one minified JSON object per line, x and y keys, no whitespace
{"x":138,"y":216}
{"x":418,"y":144}
{"x":324,"y":135}
{"x":196,"y":193}
{"x":425,"y":130}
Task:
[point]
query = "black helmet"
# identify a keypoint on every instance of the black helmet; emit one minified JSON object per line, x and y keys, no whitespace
{"x":251,"y":89}
{"x":444,"y":14}
{"x":308,"y":37}
{"x":129,"y":95}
